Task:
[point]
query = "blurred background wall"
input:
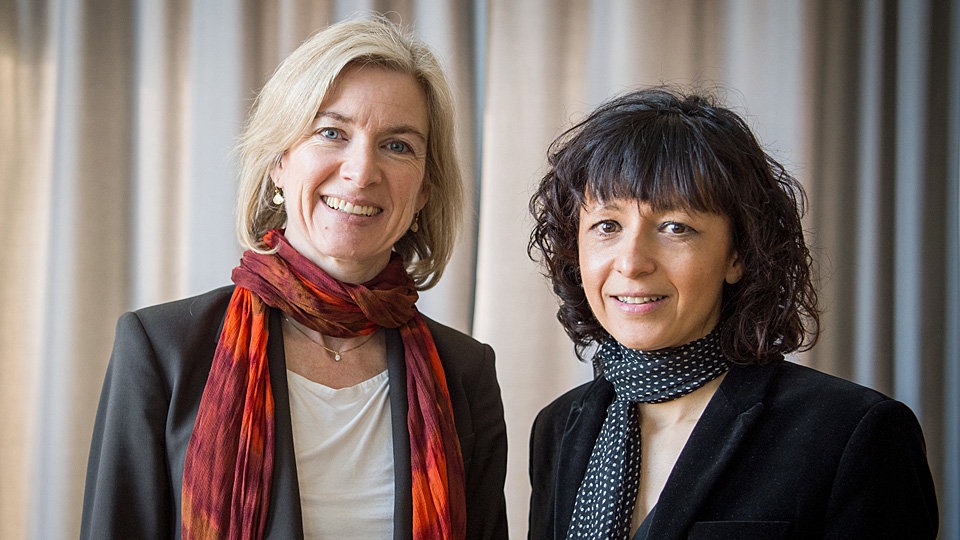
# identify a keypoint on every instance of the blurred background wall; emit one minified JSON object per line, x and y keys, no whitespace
{"x":117,"y":118}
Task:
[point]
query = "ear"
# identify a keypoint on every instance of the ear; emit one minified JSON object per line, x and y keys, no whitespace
{"x":734,"y":269}
{"x":424,"y":195}
{"x":276,"y":172}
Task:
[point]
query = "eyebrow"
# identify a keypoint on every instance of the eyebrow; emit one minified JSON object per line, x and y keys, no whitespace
{"x":399,"y":129}
{"x":593,"y":205}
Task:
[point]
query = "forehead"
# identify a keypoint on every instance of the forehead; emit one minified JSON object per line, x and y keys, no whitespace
{"x":592,"y":203}
{"x":653,"y":196}
{"x":645,"y":209}
{"x":376,"y":94}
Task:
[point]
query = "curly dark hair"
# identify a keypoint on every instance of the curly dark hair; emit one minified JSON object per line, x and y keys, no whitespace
{"x":683,"y":151}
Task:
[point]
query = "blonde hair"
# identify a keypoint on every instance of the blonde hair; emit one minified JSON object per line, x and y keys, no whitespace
{"x":289,"y":102}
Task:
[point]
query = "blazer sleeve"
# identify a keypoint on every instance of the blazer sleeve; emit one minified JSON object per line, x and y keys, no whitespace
{"x":127,"y":492}
{"x":545,"y":436}
{"x":883,"y":487}
{"x":486,"y":472}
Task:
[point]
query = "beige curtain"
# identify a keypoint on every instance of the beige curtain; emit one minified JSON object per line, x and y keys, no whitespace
{"x":117,"y":119}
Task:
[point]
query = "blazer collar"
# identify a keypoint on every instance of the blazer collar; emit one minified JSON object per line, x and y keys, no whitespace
{"x":403,"y":501}
{"x":728,"y":417}
{"x":582,"y":429}
{"x":731,"y":413}
{"x":284,"y":518}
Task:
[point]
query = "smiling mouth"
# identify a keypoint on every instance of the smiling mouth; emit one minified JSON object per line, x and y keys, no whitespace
{"x":639,"y":299}
{"x":349,"y":208}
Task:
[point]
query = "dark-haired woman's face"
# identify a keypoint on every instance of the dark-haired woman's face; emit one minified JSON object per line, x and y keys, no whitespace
{"x":654,"y":279}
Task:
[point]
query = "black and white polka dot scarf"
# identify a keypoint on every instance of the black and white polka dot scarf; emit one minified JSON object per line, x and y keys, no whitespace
{"x":608,"y":493}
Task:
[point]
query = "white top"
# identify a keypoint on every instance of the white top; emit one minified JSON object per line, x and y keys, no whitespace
{"x":344,"y":447}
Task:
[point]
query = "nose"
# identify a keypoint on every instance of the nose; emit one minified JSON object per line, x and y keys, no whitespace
{"x":636,"y":256}
{"x":359,"y":164}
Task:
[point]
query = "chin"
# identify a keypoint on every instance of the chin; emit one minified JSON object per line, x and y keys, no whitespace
{"x":644,"y":341}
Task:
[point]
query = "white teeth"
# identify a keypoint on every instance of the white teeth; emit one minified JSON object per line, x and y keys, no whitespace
{"x":639,"y":299}
{"x":350,"y":208}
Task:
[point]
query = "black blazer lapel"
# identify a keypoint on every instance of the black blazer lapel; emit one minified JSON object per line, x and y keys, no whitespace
{"x":284,"y":520}
{"x":581,"y":432}
{"x":725,"y":422}
{"x":397,"y":372}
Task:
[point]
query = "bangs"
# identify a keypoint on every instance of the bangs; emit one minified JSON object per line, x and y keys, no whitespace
{"x":664,"y":161}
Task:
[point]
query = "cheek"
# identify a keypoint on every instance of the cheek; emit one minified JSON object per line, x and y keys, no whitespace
{"x":703,"y":288}
{"x":409,"y":185}
{"x":309,"y":165}
{"x":591,"y":279}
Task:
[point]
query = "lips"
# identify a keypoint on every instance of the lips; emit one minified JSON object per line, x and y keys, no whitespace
{"x":639,"y":299}
{"x":341,"y":205}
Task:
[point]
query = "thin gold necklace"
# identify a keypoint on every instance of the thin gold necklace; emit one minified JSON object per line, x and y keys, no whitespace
{"x":336,"y":354}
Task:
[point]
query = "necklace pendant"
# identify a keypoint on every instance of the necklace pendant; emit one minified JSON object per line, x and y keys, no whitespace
{"x":336,"y":357}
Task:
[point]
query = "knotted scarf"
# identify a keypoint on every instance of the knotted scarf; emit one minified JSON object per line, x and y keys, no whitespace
{"x":607,"y":496}
{"x":229,"y":462}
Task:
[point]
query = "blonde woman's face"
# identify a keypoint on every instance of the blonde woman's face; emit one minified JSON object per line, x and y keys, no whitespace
{"x":353,"y":185}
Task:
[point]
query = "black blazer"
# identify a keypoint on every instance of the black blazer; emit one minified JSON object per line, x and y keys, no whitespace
{"x":781,"y":451}
{"x":157,"y":372}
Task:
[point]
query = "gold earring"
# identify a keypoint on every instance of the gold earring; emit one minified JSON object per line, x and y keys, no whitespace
{"x":415,"y":226}
{"x":277,"y":196}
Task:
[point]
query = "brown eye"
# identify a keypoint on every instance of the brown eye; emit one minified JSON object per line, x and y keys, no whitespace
{"x":673,"y":227}
{"x":607,"y":227}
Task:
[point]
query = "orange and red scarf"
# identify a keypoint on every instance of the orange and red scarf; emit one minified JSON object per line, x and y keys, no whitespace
{"x":229,"y":462}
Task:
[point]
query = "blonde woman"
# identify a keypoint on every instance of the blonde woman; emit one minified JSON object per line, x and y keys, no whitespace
{"x":311,"y":398}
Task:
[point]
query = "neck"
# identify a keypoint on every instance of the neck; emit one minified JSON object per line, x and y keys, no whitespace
{"x":354,"y":270}
{"x":682,"y":410}
{"x":350,"y":271}
{"x":331,"y":344}
{"x":664,"y":375}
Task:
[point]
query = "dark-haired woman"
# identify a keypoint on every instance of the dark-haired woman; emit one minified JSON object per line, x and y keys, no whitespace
{"x":685,"y":265}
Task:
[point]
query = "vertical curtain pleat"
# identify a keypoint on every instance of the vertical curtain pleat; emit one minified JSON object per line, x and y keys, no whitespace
{"x":949,"y":479}
{"x":82,"y":219}
{"x":537,"y":77}
{"x":448,"y":27}
{"x":117,"y":121}
{"x":909,"y":238}
{"x":26,"y":99}
{"x":160,"y":151}
{"x":871,"y":327}
{"x":883,"y":210}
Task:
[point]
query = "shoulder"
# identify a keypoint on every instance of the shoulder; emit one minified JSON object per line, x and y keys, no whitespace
{"x":571,"y":399}
{"x":462,"y":356}
{"x":867,"y":448}
{"x":451,"y":338}
{"x":176,"y":335}
{"x":181,"y":321}
{"x":842,"y":403}
{"x":806,"y":401}
{"x":590,"y":399}
{"x":211,"y":304}
{"x":795,"y":383}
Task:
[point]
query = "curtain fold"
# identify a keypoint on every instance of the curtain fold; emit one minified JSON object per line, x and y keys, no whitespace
{"x":537,"y":80}
{"x":884,"y":211}
{"x":117,"y":120}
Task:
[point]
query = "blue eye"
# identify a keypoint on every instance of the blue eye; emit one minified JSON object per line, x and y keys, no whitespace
{"x":398,"y":147}
{"x":330,"y":133}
